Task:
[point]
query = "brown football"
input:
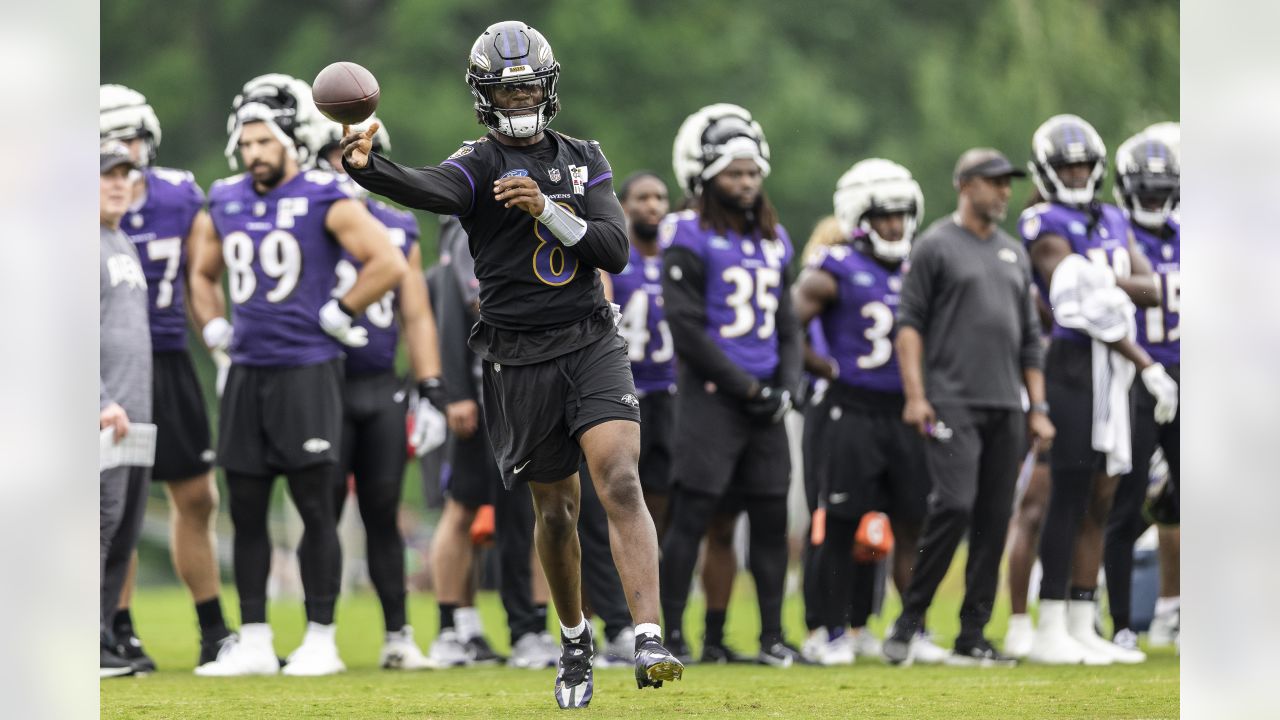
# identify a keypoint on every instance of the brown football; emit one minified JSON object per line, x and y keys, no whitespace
{"x":346,"y":93}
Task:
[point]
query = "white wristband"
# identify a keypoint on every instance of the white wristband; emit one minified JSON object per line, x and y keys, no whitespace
{"x":566,"y":226}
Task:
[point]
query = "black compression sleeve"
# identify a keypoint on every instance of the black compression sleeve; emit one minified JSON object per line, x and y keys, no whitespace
{"x":684,"y":301}
{"x":440,"y":189}
{"x":790,"y":341}
{"x":605,"y":245}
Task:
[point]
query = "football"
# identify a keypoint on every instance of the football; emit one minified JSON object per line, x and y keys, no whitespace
{"x":345,"y":93}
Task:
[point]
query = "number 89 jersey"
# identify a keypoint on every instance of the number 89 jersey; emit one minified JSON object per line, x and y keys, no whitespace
{"x":380,"y":317}
{"x":280,"y":266}
{"x":638,"y":290}
{"x":159,"y":230}
{"x":859,"y":325}
{"x":744,"y":283}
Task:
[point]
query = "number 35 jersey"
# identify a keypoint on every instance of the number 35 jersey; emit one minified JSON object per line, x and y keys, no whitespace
{"x":280,"y":266}
{"x":638,"y":290}
{"x":159,"y":228}
{"x":743,"y":285}
{"x":1158,"y":330}
{"x":859,"y":325}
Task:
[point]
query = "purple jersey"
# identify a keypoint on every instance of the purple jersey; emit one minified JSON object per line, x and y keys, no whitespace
{"x":638,"y":290}
{"x":1104,"y":241}
{"x":380,"y":317}
{"x":859,"y":325}
{"x":1158,"y":330}
{"x":280,"y":264}
{"x":743,"y":284}
{"x":159,"y":229}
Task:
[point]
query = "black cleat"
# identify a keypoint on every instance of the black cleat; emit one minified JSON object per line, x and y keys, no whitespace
{"x":979,"y":653}
{"x":480,"y":653}
{"x":721,"y":654}
{"x":781,"y":655}
{"x":112,"y":665}
{"x":211,"y":646}
{"x":129,"y":647}
{"x":897,"y":644}
{"x":574,"y":681}
{"x":655,"y":663}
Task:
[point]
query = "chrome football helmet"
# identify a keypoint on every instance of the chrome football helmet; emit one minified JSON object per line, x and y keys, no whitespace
{"x":284,"y":103}
{"x":123,"y":114}
{"x":1147,"y":168}
{"x":713,"y":137}
{"x":1064,"y":140}
{"x":512,"y":53}
{"x":879,"y":187}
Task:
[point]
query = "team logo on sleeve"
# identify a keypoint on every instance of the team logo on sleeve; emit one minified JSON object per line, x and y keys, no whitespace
{"x":1031,"y":226}
{"x":631,"y":400}
{"x":1007,"y":255}
{"x":464,"y":150}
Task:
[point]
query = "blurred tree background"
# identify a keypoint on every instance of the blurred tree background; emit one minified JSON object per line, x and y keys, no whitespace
{"x":916,"y":81}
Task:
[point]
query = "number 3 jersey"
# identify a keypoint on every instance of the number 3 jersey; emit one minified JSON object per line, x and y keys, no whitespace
{"x":859,"y":325}
{"x":159,"y":228}
{"x":744,"y":278}
{"x":1102,"y":237}
{"x":280,"y":262}
{"x":380,"y":317}
{"x":1158,"y":330}
{"x":638,"y":290}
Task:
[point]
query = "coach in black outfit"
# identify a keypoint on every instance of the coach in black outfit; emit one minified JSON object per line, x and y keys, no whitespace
{"x":968,"y":313}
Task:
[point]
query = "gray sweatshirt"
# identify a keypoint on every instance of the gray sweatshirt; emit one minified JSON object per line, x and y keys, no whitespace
{"x":124,"y":343}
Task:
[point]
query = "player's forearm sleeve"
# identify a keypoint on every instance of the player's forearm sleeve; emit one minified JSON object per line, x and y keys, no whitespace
{"x":684,"y":300}
{"x":604,"y":245}
{"x":446,"y":190}
{"x":454,"y":327}
{"x":790,"y":341}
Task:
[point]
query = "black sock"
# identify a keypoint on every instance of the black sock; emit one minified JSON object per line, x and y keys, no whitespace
{"x":209,"y":614}
{"x":122,"y":623}
{"x":446,"y":616}
{"x":1079,"y":594}
{"x":715,"y":627}
{"x":540,"y":611}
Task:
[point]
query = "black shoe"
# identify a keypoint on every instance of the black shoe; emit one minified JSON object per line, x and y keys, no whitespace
{"x":655,"y":663}
{"x":780,"y":655}
{"x":129,"y":647}
{"x":979,"y":653}
{"x":574,"y":682}
{"x":479,"y":652}
{"x":676,"y":646}
{"x":112,"y":665}
{"x":721,"y":654}
{"x":896,"y":647}
{"x":211,"y":645}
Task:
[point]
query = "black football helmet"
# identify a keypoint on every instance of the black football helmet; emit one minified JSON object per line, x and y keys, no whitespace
{"x":1065,"y":140}
{"x":512,"y":53}
{"x":1147,"y":169}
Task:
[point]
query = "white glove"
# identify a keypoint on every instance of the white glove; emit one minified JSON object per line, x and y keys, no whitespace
{"x":1164,"y":389}
{"x":617,"y":314}
{"x":337,"y":323}
{"x":429,"y":427}
{"x":217,"y":334}
{"x":222,"y":361}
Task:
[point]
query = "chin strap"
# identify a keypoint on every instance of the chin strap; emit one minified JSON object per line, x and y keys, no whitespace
{"x":566,"y":226}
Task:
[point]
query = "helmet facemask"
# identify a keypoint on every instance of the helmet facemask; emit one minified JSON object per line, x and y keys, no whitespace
{"x":1065,"y":140}
{"x":512,"y":53}
{"x":712,"y":138}
{"x":1147,"y":169}
{"x":879,"y":187}
{"x":284,"y":104}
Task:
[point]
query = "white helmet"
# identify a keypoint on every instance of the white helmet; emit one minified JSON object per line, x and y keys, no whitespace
{"x":713,"y":137}
{"x":124,"y":114}
{"x":284,"y":103}
{"x":1063,"y":140}
{"x":327,"y":134}
{"x":1168,"y":132}
{"x":879,"y":186}
{"x":1147,"y":166}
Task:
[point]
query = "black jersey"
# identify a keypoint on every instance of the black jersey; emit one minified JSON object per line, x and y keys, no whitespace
{"x":538,"y":299}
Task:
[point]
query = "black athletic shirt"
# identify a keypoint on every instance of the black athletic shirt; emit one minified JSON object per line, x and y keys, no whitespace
{"x":538,"y":299}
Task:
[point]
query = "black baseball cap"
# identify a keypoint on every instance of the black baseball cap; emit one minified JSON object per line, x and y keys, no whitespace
{"x":113,"y":154}
{"x":985,"y":162}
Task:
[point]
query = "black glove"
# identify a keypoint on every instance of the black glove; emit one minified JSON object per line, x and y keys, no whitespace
{"x":770,"y":405}
{"x":432,"y":389}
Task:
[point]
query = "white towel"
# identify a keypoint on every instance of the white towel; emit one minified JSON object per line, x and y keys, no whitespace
{"x":1084,"y":297}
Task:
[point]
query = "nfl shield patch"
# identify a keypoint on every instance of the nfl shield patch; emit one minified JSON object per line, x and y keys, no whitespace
{"x":554,"y":175}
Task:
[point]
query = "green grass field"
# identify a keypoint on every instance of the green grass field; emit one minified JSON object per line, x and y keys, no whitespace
{"x":166,"y":622}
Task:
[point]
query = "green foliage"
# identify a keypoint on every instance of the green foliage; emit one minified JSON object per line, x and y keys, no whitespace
{"x":917,"y":81}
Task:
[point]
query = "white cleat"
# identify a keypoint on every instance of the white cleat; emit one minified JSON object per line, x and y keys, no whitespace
{"x":865,"y":643}
{"x":926,"y":652}
{"x":811,"y":648}
{"x":400,"y":652}
{"x":448,"y":650}
{"x":531,"y":652}
{"x":317,"y":655}
{"x":249,"y":652}
{"x":1053,"y":645}
{"x":1017,"y":639}
{"x":1164,"y":629}
{"x":1080,"y":627}
{"x":838,"y":652}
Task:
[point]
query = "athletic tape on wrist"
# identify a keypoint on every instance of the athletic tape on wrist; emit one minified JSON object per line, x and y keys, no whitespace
{"x":566,"y":226}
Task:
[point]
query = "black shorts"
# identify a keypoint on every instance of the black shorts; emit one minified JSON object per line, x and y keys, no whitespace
{"x":471,"y":477}
{"x":1068,"y":379}
{"x":183,"y":447}
{"x":374,"y":436}
{"x":718,"y":447}
{"x":816,"y":417}
{"x":657,"y":413}
{"x":536,"y":413}
{"x":277,"y":420}
{"x":868,"y":459}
